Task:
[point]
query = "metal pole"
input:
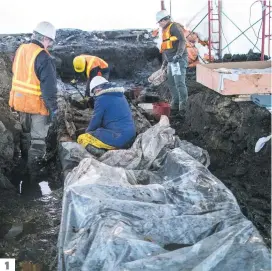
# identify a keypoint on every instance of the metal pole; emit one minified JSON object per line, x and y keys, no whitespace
{"x":210,"y":28}
{"x":220,"y":28}
{"x":263,"y":30}
{"x":162,"y":5}
{"x":269,"y":29}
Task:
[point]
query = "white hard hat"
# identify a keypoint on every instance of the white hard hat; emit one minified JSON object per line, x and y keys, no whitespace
{"x":46,"y":29}
{"x":96,"y":81}
{"x":161,"y":14}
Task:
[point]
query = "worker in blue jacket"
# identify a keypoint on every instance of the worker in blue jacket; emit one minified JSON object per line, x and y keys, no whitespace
{"x":112,"y":125}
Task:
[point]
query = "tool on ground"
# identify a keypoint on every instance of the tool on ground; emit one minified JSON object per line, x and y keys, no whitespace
{"x":74,"y":84}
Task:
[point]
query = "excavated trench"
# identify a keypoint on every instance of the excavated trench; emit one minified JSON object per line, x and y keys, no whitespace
{"x":29,"y":220}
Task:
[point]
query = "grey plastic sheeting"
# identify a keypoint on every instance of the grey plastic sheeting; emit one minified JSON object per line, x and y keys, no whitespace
{"x":183,"y":218}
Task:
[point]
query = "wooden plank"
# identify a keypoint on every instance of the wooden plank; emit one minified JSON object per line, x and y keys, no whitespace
{"x":241,"y":98}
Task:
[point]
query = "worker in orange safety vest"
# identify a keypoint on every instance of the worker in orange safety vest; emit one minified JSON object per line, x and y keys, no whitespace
{"x":174,"y":52}
{"x":91,"y":66}
{"x":191,"y":39}
{"x":34,"y":91}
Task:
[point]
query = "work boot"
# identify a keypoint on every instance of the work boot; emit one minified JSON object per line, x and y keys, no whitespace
{"x":25,"y":144}
{"x":182,"y":112}
{"x":95,"y":151}
{"x":182,"y":107}
{"x":174,"y":108}
{"x":34,"y":161}
{"x":174,"y":105}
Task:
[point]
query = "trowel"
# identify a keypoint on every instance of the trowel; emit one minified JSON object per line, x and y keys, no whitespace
{"x":261,"y":142}
{"x":74,"y":84}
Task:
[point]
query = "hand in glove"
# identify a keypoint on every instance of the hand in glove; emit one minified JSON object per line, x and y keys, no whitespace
{"x":74,"y":82}
{"x":87,"y":102}
{"x":91,"y":102}
{"x":176,"y":58}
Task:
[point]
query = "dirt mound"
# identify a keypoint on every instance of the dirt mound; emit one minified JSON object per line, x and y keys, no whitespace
{"x":250,"y":56}
{"x":130,"y":53}
{"x":29,"y":228}
{"x":5,"y":76}
{"x":229,"y":132}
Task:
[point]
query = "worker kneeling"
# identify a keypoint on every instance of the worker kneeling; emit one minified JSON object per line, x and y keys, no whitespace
{"x":112,"y":125}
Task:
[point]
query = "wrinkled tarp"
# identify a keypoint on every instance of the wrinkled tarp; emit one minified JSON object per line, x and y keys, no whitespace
{"x":184,"y":218}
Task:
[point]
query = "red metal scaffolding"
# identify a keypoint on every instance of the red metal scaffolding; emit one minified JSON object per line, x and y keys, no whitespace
{"x":215,"y":27}
{"x":162,"y":5}
{"x":266,"y":14}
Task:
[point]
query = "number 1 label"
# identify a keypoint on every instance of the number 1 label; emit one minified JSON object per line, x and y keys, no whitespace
{"x":7,"y":264}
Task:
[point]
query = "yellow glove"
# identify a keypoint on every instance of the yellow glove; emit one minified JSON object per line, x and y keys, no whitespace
{"x":85,"y":100}
{"x":74,"y":81}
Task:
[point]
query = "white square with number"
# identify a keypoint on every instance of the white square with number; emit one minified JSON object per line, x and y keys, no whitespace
{"x":7,"y":264}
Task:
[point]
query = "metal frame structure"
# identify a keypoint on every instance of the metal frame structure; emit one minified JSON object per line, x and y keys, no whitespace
{"x":162,"y":5}
{"x":215,"y":27}
{"x":264,"y":17}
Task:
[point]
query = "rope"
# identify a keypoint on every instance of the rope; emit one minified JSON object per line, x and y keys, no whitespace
{"x":250,"y":18}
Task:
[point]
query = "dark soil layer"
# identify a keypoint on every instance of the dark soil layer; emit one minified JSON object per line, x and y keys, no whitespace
{"x":130,"y":53}
{"x":229,"y":132}
{"x":29,"y":229}
{"x":29,"y":220}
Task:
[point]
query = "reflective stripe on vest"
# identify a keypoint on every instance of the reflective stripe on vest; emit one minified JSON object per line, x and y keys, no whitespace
{"x":93,"y":62}
{"x":167,"y":39}
{"x":25,"y":94}
{"x":90,"y":66}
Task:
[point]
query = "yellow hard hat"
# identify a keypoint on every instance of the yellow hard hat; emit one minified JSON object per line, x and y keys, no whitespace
{"x":79,"y":63}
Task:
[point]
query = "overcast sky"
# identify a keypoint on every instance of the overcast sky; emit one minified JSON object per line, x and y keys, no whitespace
{"x":17,"y":16}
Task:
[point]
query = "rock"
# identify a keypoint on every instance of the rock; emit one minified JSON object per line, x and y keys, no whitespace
{"x":5,"y":76}
{"x":6,"y":143}
{"x":5,"y":183}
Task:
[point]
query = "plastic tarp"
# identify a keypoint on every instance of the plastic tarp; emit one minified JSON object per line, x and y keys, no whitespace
{"x":154,"y":207}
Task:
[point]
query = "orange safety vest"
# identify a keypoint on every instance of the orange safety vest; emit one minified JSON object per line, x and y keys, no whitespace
{"x":93,"y":62}
{"x":167,"y":39}
{"x":25,"y":94}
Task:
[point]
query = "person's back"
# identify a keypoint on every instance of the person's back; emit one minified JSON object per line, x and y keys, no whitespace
{"x":33,"y":93}
{"x":117,"y":114}
{"x":112,"y":125}
{"x":112,"y":113}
